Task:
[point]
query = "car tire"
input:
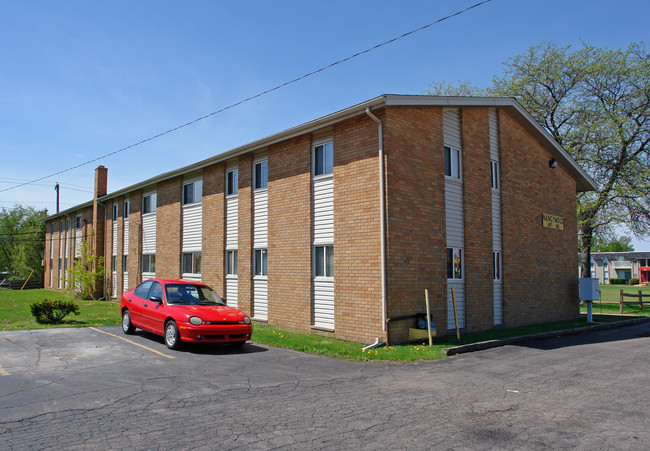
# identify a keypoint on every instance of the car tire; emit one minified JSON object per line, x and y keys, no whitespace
{"x":237,"y":344}
{"x":127,"y":325}
{"x":172,"y":336}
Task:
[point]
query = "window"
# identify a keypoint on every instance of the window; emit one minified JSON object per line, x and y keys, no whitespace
{"x":149,"y":203}
{"x":452,"y":162}
{"x":496,"y":265}
{"x":115,"y":212}
{"x":142,"y":290}
{"x":127,"y":206}
{"x":77,"y":222}
{"x":323,"y":159}
{"x":192,"y":192}
{"x":324,"y":261}
{"x":149,"y":263}
{"x":495,"y":174}
{"x":260,"y":263}
{"x":231,"y":263}
{"x":261,"y":175}
{"x":232,"y":182}
{"x":114,"y":263}
{"x":125,"y":263}
{"x":191,"y":263}
{"x":454,"y":263}
{"x":156,"y":291}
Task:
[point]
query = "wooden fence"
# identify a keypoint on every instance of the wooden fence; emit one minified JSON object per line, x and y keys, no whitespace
{"x":640,"y":295}
{"x":17,"y":284}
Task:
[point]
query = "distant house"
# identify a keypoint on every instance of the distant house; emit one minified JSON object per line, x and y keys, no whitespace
{"x":620,"y":265}
{"x":338,"y":225}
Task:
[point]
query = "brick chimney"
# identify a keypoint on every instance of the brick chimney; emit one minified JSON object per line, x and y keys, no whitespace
{"x":101,"y":181}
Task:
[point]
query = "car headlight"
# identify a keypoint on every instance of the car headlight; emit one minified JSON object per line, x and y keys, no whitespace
{"x":246,"y":320}
{"x":196,"y":321}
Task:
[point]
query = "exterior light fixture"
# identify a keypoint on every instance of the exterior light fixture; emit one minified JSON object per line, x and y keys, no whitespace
{"x":552,"y":163}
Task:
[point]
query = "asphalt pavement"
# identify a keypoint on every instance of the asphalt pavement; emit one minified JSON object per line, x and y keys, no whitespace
{"x":94,"y":388}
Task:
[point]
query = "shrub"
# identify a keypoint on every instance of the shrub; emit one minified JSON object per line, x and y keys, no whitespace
{"x":634,"y":281}
{"x":53,"y":312}
{"x":617,"y":281}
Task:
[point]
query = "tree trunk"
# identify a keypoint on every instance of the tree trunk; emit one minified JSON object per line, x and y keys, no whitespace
{"x":586,"y":239}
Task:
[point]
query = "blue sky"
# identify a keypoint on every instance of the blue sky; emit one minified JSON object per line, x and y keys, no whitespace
{"x":80,"y":79}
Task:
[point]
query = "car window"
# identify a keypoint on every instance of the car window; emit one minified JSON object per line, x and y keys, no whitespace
{"x":191,"y":294}
{"x":156,"y":290}
{"x":142,"y":290}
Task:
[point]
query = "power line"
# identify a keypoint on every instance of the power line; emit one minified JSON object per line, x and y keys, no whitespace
{"x":248,"y":99}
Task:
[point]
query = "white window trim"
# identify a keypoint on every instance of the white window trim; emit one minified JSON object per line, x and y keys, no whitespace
{"x":495,"y":173}
{"x":462,"y":264}
{"x":154,"y":202}
{"x":260,"y":276}
{"x":193,"y":254}
{"x":322,"y":278}
{"x":227,"y":265}
{"x":459,"y":166}
{"x":193,"y":182}
{"x":321,"y":142}
{"x":255,"y":163}
{"x":235,"y":172}
{"x":126,"y":209}
{"x":497,"y":263}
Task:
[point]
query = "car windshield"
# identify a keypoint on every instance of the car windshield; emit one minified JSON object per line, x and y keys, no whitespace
{"x":186,"y":294}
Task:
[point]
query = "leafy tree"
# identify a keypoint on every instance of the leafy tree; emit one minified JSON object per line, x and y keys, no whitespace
{"x":86,"y":273}
{"x":596,"y":104}
{"x":622,"y":244}
{"x":22,"y":240}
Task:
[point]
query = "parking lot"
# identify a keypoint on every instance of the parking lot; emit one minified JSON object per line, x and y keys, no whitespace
{"x":94,"y":388}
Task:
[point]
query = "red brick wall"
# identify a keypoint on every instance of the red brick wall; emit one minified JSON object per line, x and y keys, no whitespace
{"x":289,"y":233}
{"x":168,"y":229}
{"x":357,"y":244}
{"x":416,"y":216}
{"x":477,"y":205}
{"x":213,"y":233}
{"x":539,"y":264}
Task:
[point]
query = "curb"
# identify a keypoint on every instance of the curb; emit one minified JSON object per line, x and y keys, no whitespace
{"x":541,"y":336}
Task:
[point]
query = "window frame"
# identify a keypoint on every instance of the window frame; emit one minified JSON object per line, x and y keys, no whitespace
{"x":196,"y":192}
{"x":125,"y":263}
{"x":497,"y":266}
{"x":194,"y":261}
{"x":260,"y":265}
{"x":327,"y":157}
{"x":116,"y":210}
{"x":151,"y":263}
{"x":126,"y":209}
{"x":325,"y":268}
{"x":231,"y":262}
{"x":455,"y":271}
{"x":451,"y":152}
{"x":495,"y":173}
{"x":152,"y":198}
{"x":232,"y":182}
{"x":261,"y":181}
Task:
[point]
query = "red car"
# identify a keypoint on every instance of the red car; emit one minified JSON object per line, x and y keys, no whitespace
{"x":183,"y":311}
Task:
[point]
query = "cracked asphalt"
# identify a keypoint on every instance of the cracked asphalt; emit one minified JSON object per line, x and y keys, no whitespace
{"x":85,"y":389}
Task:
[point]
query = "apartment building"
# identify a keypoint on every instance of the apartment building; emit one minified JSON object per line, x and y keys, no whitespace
{"x":337,"y":226}
{"x":620,"y":265}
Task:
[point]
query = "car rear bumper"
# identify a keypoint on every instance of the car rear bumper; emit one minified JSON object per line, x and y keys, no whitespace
{"x":215,"y":333}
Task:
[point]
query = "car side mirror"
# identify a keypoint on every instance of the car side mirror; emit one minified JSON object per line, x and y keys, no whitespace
{"x":156,"y":299}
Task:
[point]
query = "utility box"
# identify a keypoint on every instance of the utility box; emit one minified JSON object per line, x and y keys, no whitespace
{"x":589,"y":289}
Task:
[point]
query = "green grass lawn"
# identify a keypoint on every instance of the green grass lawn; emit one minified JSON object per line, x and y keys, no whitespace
{"x":15,"y":314}
{"x":611,"y":293}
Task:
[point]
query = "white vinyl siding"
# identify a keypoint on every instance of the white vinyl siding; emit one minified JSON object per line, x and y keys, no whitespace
{"x":148,"y":234}
{"x":78,"y":236}
{"x":496,"y":215}
{"x":260,"y":238}
{"x":324,"y":210}
{"x":323,"y":234}
{"x":192,"y":227}
{"x":114,"y":252}
{"x":454,"y":215}
{"x":232,"y":235}
{"x":232,"y":222}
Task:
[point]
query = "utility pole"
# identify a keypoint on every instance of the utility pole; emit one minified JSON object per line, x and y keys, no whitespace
{"x":56,"y":188}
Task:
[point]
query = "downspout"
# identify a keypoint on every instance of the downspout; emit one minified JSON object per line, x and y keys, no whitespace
{"x":382,"y":218}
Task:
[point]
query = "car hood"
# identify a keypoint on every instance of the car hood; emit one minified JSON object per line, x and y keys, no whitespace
{"x":212,"y":312}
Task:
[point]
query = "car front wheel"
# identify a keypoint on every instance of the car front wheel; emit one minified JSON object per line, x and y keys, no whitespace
{"x":127,"y":326}
{"x":172,"y":337}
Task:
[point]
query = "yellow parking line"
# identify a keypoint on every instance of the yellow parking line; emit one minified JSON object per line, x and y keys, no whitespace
{"x":132,"y":342}
{"x":3,"y":372}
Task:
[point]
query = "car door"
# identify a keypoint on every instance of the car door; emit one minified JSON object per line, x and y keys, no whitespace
{"x":137,"y":301}
{"x":154,"y":312}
